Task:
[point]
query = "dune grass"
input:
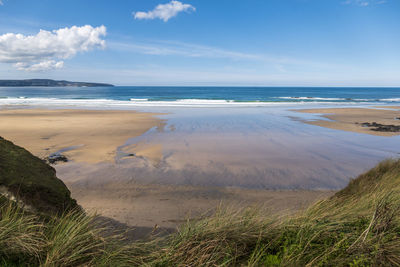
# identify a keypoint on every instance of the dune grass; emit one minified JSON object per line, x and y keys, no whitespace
{"x":358,"y":226}
{"x":71,"y":239}
{"x":20,"y":235}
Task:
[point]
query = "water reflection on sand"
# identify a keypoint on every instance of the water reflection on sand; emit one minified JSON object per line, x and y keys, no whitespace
{"x":260,"y":148}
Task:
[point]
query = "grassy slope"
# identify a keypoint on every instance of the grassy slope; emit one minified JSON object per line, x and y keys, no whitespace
{"x":32,"y":180}
{"x":359,"y":226}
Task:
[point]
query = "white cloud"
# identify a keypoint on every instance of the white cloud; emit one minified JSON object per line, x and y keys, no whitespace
{"x":1,"y":2}
{"x":44,"y":50}
{"x":42,"y":66}
{"x":164,"y":11}
{"x":173,"y":48}
{"x":364,"y":3}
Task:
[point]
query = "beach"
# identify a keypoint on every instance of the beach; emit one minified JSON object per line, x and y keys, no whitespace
{"x":163,"y":166}
{"x":94,"y":137}
{"x":168,"y":206}
{"x":90,"y":136}
{"x":359,"y":120}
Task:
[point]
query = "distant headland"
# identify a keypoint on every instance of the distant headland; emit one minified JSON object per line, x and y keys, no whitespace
{"x":48,"y":82}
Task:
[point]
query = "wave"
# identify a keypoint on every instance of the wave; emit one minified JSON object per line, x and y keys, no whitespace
{"x":314,"y":98}
{"x":59,"y":102}
{"x":390,"y":99}
{"x":144,"y":102}
{"x":139,"y":99}
{"x":184,"y":101}
{"x":339,"y":99}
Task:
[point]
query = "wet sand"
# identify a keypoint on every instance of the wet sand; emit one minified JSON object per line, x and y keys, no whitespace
{"x":93,"y":135}
{"x":352,"y":119}
{"x":94,"y":180}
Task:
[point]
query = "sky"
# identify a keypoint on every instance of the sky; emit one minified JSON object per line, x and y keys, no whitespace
{"x":203,"y":42}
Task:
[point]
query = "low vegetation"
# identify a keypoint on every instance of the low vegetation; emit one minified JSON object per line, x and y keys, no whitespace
{"x":358,"y":226}
{"x":32,"y":181}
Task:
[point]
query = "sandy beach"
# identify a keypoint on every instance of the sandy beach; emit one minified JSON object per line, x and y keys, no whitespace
{"x":175,"y":173}
{"x":95,"y":136}
{"x":86,"y":135}
{"x":358,"y":120}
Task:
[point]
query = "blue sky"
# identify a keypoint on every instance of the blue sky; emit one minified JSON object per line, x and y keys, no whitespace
{"x":203,"y":42}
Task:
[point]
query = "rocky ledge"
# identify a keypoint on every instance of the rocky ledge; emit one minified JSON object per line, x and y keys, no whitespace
{"x":381,"y":127}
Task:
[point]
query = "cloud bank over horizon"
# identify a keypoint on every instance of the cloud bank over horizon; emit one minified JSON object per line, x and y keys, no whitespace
{"x":47,"y":49}
{"x":165,"y":11}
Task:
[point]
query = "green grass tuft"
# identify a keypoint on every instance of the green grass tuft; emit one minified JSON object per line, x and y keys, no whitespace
{"x":20,"y":234}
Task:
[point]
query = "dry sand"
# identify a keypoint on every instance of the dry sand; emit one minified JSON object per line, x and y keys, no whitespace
{"x":351,"y":119}
{"x":96,"y":134}
{"x":168,"y":206}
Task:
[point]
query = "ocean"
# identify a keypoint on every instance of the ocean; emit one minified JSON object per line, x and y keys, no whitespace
{"x":196,"y":96}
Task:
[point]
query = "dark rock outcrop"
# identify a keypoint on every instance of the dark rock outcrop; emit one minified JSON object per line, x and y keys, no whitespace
{"x":55,"y":158}
{"x":381,"y":127}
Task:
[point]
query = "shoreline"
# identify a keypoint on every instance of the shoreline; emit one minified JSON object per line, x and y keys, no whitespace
{"x":90,"y":136}
{"x":134,"y":103}
{"x":379,"y":120}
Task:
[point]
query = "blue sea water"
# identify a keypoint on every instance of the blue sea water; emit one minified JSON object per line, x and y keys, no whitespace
{"x":194,"y":96}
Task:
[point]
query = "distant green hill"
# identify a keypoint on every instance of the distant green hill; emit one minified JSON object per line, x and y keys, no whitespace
{"x":48,"y":82}
{"x":31,"y":180}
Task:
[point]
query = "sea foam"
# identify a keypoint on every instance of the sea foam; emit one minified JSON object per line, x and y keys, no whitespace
{"x":133,"y":102}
